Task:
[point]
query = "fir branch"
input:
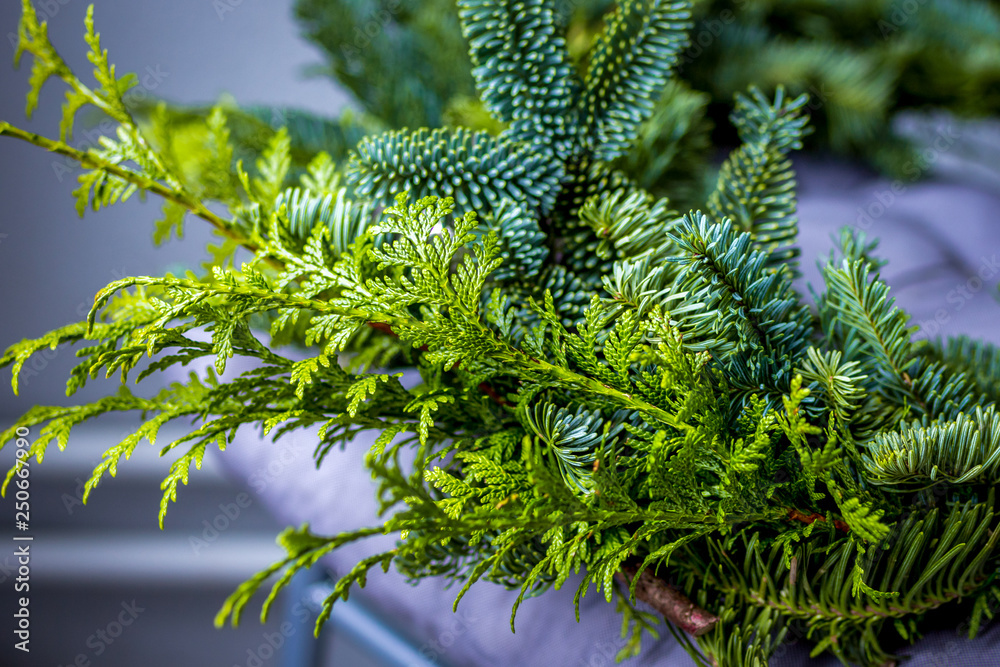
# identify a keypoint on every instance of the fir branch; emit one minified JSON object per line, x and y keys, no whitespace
{"x":458,"y":163}
{"x":629,"y":67}
{"x":965,"y":450}
{"x":522,"y":69}
{"x":756,"y":186}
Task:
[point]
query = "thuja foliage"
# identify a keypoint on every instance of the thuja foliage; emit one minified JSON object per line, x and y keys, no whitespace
{"x":608,"y":386}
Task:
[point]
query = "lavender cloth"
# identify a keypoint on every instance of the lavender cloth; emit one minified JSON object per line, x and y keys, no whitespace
{"x":943,"y":243}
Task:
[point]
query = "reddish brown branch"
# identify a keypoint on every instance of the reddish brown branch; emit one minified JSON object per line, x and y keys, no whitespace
{"x":494,"y":394}
{"x":796,"y":515}
{"x":383,"y":327}
{"x":674,"y":605}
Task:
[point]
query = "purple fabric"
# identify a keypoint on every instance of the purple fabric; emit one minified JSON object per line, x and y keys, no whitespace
{"x":943,"y":243}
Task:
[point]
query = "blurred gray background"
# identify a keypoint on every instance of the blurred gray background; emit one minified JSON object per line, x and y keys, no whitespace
{"x":90,"y":561}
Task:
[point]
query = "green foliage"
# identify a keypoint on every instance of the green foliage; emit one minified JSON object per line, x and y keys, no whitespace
{"x":874,"y":333}
{"x":861,"y":65}
{"x":750,"y":318}
{"x":605,"y":385}
{"x":522,"y":69}
{"x":630,"y":63}
{"x":403,"y":60}
{"x":756,"y":186}
{"x":954,"y":452}
{"x":457,"y":163}
{"x":978,"y":360}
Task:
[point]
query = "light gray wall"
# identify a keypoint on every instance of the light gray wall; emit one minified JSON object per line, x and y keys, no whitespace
{"x":51,"y":262}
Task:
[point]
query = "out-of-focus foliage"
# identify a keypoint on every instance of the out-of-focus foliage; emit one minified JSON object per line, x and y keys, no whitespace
{"x":860,"y":61}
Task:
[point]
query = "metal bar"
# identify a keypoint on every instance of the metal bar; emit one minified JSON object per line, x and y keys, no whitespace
{"x":367,"y":631}
{"x":301,"y":649}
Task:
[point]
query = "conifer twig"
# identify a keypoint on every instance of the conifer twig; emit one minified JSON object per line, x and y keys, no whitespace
{"x":674,"y":605}
{"x":91,"y":161}
{"x":796,"y":515}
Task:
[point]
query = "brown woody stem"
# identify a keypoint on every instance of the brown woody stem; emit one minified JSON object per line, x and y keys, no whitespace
{"x":796,"y":515}
{"x":674,"y":605}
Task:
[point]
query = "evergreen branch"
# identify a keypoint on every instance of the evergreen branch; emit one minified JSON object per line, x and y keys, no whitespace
{"x":736,"y":307}
{"x":963,"y":451}
{"x":628,"y":70}
{"x":979,"y":361}
{"x":756,"y":185}
{"x":754,"y":308}
{"x":91,"y":161}
{"x":864,"y":306}
{"x":459,"y":163}
{"x":34,"y":39}
{"x":522,"y":69}
{"x":108,"y":97}
{"x":271,"y":299}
